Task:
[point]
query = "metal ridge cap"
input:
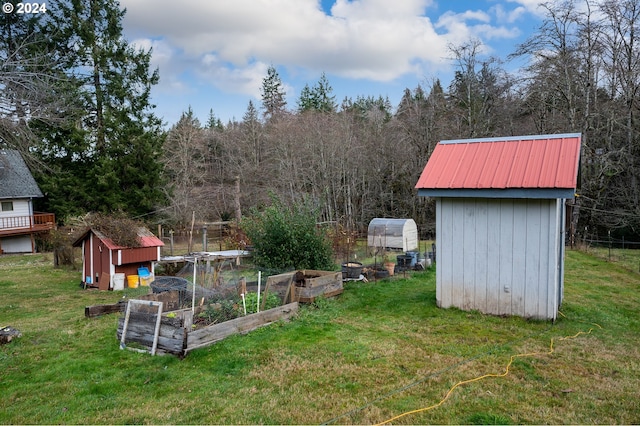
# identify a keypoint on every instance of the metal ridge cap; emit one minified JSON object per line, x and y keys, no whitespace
{"x":512,"y":138}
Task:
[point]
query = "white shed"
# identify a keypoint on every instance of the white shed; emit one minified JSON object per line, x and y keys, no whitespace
{"x":500,"y":221}
{"x":394,"y":234}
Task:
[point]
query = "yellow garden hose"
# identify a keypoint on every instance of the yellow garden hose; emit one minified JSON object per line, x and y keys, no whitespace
{"x":505,"y":373}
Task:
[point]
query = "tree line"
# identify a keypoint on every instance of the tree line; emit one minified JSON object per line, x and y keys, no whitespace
{"x":91,"y":132}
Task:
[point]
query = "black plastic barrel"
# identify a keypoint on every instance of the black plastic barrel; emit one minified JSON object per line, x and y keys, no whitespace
{"x":351,"y":270}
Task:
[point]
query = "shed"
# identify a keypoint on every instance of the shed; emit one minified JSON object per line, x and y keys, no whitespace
{"x":500,"y":221}
{"x":102,"y":258}
{"x":394,"y":234}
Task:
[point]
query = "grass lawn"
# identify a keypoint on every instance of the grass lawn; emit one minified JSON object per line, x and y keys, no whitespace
{"x":377,"y":351}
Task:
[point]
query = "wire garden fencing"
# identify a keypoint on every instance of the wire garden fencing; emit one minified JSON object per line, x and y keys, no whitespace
{"x":220,"y":290}
{"x":619,"y":250}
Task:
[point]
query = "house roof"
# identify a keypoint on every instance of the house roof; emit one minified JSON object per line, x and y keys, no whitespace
{"x":145,"y":237}
{"x":16,"y":180}
{"x":538,"y":166}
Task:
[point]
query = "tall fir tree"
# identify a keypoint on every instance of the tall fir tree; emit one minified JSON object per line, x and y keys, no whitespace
{"x":123,"y":138}
{"x":214,"y":122}
{"x":273,"y":95}
{"x":318,"y":98}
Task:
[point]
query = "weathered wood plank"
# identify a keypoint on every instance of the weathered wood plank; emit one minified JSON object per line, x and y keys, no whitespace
{"x":142,"y":327}
{"x":213,"y":333}
{"x":170,"y":299}
{"x":97,"y":310}
{"x":168,"y":345}
{"x":146,"y":323}
{"x":142,"y":305}
{"x":309,"y":294}
{"x":305,"y":285}
{"x":174,"y":338}
{"x":171,"y":339}
{"x":322,"y":280}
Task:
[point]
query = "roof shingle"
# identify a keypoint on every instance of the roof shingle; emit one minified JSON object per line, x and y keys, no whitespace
{"x":16,"y":180}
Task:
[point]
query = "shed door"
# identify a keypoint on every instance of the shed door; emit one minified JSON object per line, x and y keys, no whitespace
{"x":104,"y":267}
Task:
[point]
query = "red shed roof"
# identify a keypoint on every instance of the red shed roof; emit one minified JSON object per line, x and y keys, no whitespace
{"x":498,"y":166}
{"x":145,"y":238}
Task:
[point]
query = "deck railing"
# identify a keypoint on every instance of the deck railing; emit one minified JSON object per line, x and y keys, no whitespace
{"x":15,"y":225}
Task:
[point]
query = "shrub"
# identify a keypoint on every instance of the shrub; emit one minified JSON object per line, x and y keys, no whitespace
{"x":285,"y":237}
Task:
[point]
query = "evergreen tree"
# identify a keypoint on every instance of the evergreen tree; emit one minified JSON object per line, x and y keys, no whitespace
{"x":214,"y":122}
{"x":65,"y":151}
{"x":326,"y":102}
{"x":306,"y":101}
{"x":319,"y":98}
{"x":273,"y":94}
{"x":368,"y":107}
{"x":123,"y":138}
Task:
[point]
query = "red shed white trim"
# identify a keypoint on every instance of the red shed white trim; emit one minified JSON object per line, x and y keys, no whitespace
{"x":500,"y":221}
{"x":102,"y":258}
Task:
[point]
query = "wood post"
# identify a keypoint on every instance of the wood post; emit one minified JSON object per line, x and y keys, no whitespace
{"x":237,"y":201}
{"x":242,"y":286}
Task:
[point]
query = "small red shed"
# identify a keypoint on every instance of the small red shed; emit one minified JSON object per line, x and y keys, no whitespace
{"x":102,"y":258}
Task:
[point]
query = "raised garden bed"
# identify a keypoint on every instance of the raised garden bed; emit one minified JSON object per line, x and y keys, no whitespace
{"x":175,"y":333}
{"x":178,"y":331}
{"x":305,"y":286}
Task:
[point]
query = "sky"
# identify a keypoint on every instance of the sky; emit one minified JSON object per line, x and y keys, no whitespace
{"x":214,"y":54}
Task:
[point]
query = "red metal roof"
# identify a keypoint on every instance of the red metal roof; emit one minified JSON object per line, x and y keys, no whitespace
{"x":549,"y":161}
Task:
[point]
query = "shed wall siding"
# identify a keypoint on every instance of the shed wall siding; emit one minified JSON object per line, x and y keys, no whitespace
{"x":501,"y":257}
{"x":136,"y":255}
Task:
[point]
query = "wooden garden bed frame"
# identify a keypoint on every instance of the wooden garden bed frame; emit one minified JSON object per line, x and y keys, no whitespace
{"x":174,"y":334}
{"x":306,"y":285}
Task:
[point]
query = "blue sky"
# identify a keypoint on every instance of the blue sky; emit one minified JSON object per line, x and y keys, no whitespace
{"x":214,"y":54}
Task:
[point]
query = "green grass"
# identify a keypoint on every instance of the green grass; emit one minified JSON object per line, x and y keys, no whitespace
{"x":629,"y":259}
{"x":377,"y":351}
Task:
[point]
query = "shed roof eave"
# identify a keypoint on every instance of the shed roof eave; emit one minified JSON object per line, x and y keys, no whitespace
{"x":534,"y":193}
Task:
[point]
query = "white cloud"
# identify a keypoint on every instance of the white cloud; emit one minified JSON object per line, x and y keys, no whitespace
{"x":166,"y":58}
{"x":228,"y":43}
{"x":246,"y":80}
{"x":532,"y":6}
{"x":508,"y":16}
{"x":378,"y":9}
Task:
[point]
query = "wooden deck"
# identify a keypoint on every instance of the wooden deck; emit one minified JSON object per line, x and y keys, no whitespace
{"x":21,"y":225}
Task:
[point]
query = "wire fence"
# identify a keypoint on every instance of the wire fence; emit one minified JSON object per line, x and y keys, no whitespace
{"x":619,"y":250}
{"x":222,"y":290}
